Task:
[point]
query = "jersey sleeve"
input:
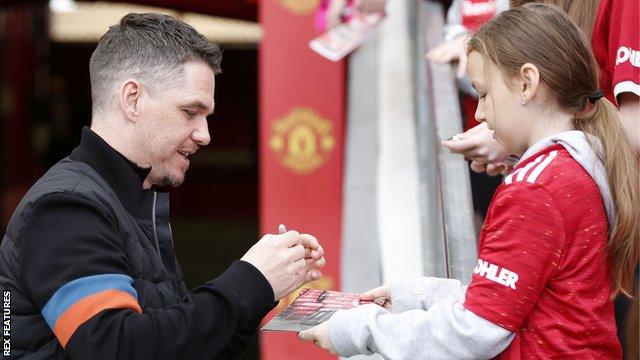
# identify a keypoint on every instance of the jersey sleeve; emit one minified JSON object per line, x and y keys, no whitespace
{"x":624,"y":47}
{"x":520,"y":249}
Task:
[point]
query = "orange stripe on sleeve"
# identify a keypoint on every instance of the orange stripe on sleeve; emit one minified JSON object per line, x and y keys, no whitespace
{"x":85,"y":309}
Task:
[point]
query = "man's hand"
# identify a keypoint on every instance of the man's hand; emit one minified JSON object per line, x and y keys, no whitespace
{"x":287,"y":261}
{"x":319,"y":334}
{"x":478,"y":145}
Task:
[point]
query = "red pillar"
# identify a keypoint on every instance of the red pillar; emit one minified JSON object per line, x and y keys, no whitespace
{"x":301,"y":146}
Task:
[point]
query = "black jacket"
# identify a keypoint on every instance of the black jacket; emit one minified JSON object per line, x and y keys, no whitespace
{"x":88,"y":260}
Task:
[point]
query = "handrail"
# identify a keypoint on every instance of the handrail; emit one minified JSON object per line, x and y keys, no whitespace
{"x":444,"y":176}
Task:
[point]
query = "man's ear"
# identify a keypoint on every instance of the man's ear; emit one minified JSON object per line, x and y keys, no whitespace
{"x":130,"y":93}
{"x":530,"y":81}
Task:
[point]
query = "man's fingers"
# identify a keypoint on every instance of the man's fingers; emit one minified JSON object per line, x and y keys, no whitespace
{"x":312,"y":275}
{"x":297,"y":252}
{"x":291,"y":238}
{"x":299,"y":265}
{"x":315,"y":263}
{"x":309,"y":241}
{"x":317,"y":253}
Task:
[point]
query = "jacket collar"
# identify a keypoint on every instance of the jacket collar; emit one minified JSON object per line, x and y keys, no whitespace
{"x":124,"y":176}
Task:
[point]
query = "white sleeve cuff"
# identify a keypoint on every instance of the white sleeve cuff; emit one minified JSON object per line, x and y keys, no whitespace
{"x":626,"y":86}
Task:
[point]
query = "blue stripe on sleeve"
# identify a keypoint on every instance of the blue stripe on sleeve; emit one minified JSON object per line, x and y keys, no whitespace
{"x":76,"y":290}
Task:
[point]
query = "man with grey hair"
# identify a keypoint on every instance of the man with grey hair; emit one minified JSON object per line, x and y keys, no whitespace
{"x":87,"y":260}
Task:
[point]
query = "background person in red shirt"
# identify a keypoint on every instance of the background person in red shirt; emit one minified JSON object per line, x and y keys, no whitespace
{"x":612,"y":27}
{"x":544,"y":280}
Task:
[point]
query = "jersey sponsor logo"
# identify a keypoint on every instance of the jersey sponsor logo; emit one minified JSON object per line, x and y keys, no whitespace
{"x":625,"y":54}
{"x":496,"y":274}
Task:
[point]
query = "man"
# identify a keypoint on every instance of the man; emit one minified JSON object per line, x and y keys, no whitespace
{"x":88,"y":256}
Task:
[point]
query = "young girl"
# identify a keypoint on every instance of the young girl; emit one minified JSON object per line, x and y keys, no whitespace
{"x":561,"y":236}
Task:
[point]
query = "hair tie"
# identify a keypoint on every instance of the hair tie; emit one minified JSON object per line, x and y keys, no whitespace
{"x":595,"y":96}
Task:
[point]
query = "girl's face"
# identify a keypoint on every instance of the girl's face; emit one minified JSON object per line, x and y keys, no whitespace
{"x":499,"y":104}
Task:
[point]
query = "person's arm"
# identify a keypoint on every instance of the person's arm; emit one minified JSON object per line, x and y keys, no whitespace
{"x":495,"y":306}
{"x":623,"y":43}
{"x":74,"y":265}
{"x":629,"y":107}
{"x":203,"y":327}
{"x":446,"y":331}
{"x":241,"y":339}
{"x":424,"y":292}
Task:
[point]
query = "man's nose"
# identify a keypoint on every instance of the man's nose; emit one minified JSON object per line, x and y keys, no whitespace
{"x":201,"y":134}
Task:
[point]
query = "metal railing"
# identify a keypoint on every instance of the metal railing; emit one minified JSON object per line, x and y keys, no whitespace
{"x":450,"y":242}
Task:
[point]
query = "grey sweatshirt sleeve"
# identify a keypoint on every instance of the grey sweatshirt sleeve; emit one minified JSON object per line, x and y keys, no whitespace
{"x":446,"y":331}
{"x":423,"y":292}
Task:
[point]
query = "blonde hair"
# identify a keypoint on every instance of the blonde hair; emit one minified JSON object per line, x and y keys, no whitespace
{"x":546,"y":37}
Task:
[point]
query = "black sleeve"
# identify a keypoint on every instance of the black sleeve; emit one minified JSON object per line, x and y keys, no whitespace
{"x":69,"y":238}
{"x":241,"y":339}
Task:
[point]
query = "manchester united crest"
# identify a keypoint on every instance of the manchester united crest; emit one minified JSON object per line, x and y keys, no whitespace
{"x":302,"y":140}
{"x":300,"y":7}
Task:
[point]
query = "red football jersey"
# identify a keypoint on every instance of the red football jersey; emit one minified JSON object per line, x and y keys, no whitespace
{"x":543,"y":270}
{"x":616,"y":46}
{"x":475,"y":13}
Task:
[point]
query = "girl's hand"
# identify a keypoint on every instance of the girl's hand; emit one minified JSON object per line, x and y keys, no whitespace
{"x":491,"y":169}
{"x":477,"y":144}
{"x":382,"y":292}
{"x":319,"y":334}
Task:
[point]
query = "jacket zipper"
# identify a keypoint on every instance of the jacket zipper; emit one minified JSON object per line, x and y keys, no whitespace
{"x":153,"y":217}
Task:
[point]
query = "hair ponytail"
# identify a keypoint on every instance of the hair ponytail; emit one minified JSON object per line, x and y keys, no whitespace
{"x":621,"y":163}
